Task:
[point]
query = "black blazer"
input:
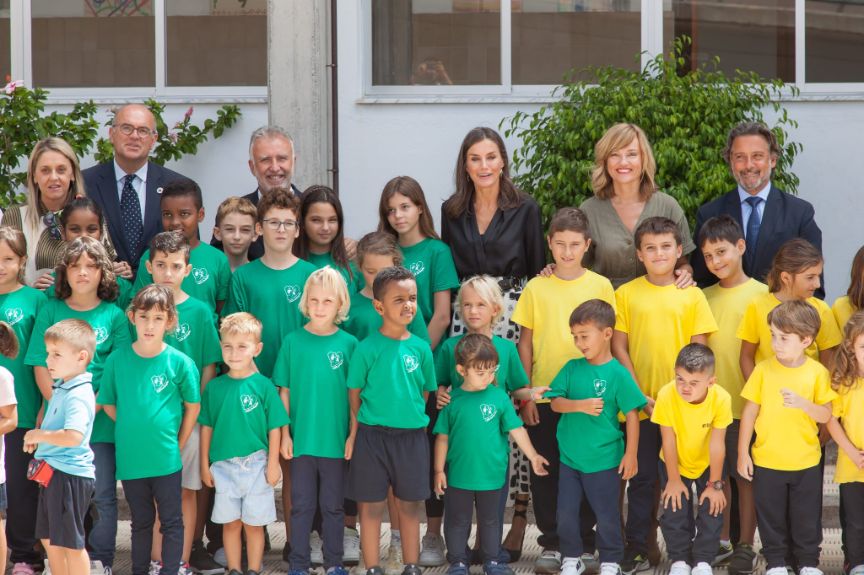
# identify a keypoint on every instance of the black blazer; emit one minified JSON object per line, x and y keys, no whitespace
{"x":785,"y":217}
{"x":101,"y":187}
{"x":256,"y":249}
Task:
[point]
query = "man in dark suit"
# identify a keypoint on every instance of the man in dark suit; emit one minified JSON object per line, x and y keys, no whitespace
{"x":271,"y":161}
{"x":127,"y":188}
{"x":768,"y":216}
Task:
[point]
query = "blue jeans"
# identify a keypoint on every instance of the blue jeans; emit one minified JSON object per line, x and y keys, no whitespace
{"x":102,"y":538}
{"x":601,"y":490}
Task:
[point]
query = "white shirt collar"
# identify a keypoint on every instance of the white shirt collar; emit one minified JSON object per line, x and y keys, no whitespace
{"x":119,"y":174}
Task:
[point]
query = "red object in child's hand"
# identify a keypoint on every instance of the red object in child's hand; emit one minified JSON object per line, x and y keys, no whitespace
{"x":40,"y":472}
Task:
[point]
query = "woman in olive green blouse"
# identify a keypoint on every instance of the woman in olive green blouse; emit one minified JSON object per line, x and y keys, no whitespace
{"x":624,"y":196}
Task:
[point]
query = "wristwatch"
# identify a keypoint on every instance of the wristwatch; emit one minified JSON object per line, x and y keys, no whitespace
{"x":718,"y":485}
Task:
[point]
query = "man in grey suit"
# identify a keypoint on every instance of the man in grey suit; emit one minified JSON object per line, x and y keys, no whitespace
{"x":127,"y":188}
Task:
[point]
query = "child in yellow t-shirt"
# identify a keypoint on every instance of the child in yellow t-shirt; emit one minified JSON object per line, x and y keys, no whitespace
{"x":845,"y":306}
{"x":787,"y":395}
{"x":794,"y":275}
{"x":693,"y":415}
{"x":654,"y":320}
{"x":721,"y":241}
{"x":545,"y":345}
{"x":845,"y":427}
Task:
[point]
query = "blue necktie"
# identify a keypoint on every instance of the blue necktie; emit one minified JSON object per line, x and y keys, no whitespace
{"x":130,"y":212}
{"x":753,"y":223}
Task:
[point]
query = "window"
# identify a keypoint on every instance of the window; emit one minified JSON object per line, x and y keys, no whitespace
{"x":436,"y":42}
{"x":5,"y":43}
{"x":90,"y":44}
{"x":216,"y":43}
{"x":835,"y":41}
{"x":757,"y":35}
{"x":551,"y":37}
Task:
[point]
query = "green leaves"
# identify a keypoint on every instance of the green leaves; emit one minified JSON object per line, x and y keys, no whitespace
{"x":23,"y":122}
{"x":687,"y":115}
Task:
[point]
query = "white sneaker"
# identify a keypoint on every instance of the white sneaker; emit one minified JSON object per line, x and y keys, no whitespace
{"x":155,"y":567}
{"x":392,"y":564}
{"x":572,"y":566}
{"x":433,"y":553}
{"x":549,"y":562}
{"x":316,"y":550}
{"x":857,"y":570}
{"x":702,"y":568}
{"x":776,"y":571}
{"x":679,"y":568}
{"x":810,"y":571}
{"x":350,"y":546}
{"x":590,"y":562}
{"x":610,"y":569}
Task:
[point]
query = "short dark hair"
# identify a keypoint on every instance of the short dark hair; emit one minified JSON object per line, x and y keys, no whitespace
{"x":281,"y":199}
{"x":569,"y":220}
{"x":796,"y":316}
{"x":170,"y":243}
{"x":388,"y":276}
{"x":594,"y":311}
{"x":183,"y":187}
{"x":155,"y":296}
{"x":695,"y":358}
{"x":379,"y":244}
{"x":751,"y":129}
{"x":720,"y":229}
{"x":476,"y":351}
{"x":656,"y":226}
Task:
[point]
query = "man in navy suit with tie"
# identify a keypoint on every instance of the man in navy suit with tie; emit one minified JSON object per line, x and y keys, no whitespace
{"x":768,"y":216}
{"x":127,"y":188}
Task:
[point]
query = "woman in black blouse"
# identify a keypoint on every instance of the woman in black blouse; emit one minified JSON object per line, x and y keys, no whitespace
{"x":493,"y":228}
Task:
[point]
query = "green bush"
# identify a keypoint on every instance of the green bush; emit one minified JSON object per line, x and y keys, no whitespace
{"x":687,"y":117}
{"x":23,"y":123}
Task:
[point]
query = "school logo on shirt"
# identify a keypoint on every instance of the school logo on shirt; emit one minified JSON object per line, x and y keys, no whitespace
{"x":182,"y":331}
{"x":293,"y":293}
{"x":336,"y":359}
{"x":248,"y":402}
{"x":488,"y":412}
{"x":411,"y":362}
{"x":160,"y":382}
{"x":14,"y":315}
{"x":599,"y":387}
{"x":101,"y":334}
{"x":200,"y":275}
{"x":416,"y":268}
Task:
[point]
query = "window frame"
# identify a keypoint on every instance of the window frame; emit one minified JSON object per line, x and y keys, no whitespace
{"x":22,"y":69}
{"x":651,"y":44}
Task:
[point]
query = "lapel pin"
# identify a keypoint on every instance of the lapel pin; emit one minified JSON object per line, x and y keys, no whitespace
{"x":158,"y":190}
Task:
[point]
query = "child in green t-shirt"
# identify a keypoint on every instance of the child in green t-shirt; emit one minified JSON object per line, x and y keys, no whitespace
{"x":241,"y":424}
{"x":195,"y":335}
{"x":86,"y":289}
{"x":270,"y":287}
{"x":479,"y":414}
{"x":390,"y":377}
{"x":590,"y":392}
{"x":312,"y":372}
{"x":235,"y":230}
{"x":152,"y":392}
{"x":182,"y":208}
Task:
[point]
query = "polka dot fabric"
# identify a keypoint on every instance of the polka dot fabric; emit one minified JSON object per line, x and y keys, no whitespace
{"x":130,"y":214}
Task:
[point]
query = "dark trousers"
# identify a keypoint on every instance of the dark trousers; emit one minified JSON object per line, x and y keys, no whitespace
{"x":642,"y":488}
{"x":600,"y":490}
{"x":144,"y":496}
{"x":102,"y":535}
{"x":458,"y":512}
{"x":852,"y":510}
{"x":434,"y":505}
{"x":23,"y":499}
{"x":687,"y":539}
{"x":544,"y":489}
{"x":317,"y":482}
{"x":789,"y":514}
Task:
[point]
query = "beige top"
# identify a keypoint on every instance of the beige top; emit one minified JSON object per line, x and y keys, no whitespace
{"x":612,"y":252}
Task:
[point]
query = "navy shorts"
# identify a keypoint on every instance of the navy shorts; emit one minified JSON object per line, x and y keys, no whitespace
{"x":3,"y":500}
{"x":389,"y":456}
{"x":63,"y":505}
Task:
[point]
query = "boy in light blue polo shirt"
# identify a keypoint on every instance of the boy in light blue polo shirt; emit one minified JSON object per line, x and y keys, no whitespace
{"x":63,"y":443}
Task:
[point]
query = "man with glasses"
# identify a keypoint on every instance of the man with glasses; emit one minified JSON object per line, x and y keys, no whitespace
{"x":127,"y":188}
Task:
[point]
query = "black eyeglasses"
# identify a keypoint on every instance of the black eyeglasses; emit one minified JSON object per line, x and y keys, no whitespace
{"x":52,"y":222}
